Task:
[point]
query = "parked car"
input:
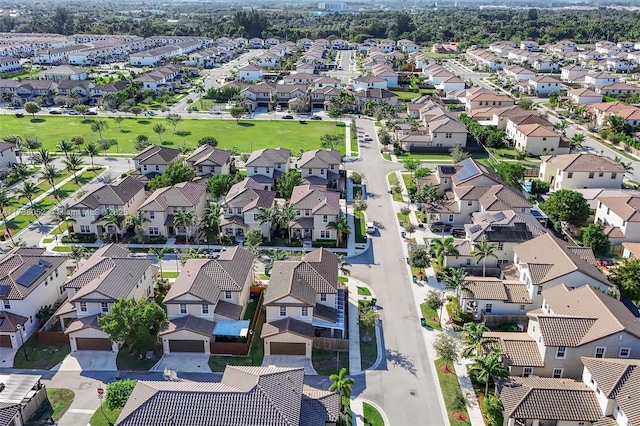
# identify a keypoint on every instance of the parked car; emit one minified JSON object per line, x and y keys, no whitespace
{"x":458,"y":232}
{"x":150,"y":113}
{"x":73,"y":112}
{"x":287,"y":117}
{"x":316,"y":117}
{"x":55,"y":111}
{"x":92,"y":112}
{"x":439,"y":227}
{"x":371,"y":228}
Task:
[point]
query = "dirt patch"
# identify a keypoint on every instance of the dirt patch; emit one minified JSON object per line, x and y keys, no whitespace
{"x":445,"y":370}
{"x":460,"y":417}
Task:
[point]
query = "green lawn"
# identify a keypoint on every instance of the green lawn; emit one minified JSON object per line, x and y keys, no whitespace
{"x":126,"y":361}
{"x":404,"y":218}
{"x":246,"y":136}
{"x":360,"y":227}
{"x":40,"y":356}
{"x":405,"y":96}
{"x":433,"y":320}
{"x":169,"y":274}
{"x":327,"y":362}
{"x":363,"y":291}
{"x":62,"y":249}
{"x":60,"y":400}
{"x":256,"y":353}
{"x":448,"y":383}
{"x":372,"y":416}
{"x":368,"y":348}
{"x":393,"y":179}
{"x":386,"y":156}
{"x":342,"y":279}
{"x":47,"y":240}
{"x":406,"y":178}
{"x":98,"y":418}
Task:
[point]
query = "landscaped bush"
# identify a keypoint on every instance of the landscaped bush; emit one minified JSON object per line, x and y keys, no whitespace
{"x":324,"y":243}
{"x":493,"y":410}
{"x":155,"y":239}
{"x":79,"y":238}
{"x":118,"y":393}
{"x":295,"y":242}
{"x":227,"y":240}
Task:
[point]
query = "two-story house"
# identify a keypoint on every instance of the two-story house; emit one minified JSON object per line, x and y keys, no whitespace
{"x":322,"y":167}
{"x":242,"y":205}
{"x":490,"y":299}
{"x":538,"y":139}
{"x":250,"y":73}
{"x":161,"y":206}
{"x":108,"y":276}
{"x":153,"y":160}
{"x":303,"y":301}
{"x":369,"y":82}
{"x":621,"y":218}
{"x":580,"y":171}
{"x":207,"y":294}
{"x":543,"y":85}
{"x":268,"y":164}
{"x":208,"y":161}
{"x":89,"y":214}
{"x":29,"y":279}
{"x":7,"y":155}
{"x":315,"y":209}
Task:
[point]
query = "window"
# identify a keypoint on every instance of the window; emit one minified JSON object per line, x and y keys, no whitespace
{"x":323,"y":297}
{"x":448,"y":135}
{"x":488,"y":308}
{"x":305,"y":311}
{"x":500,"y":246}
{"x":569,"y":175}
{"x":268,"y":169}
{"x":325,"y":218}
{"x":469,"y":203}
{"x":468,"y":262}
{"x":527,"y":371}
{"x":544,"y":139}
{"x":157,"y":167}
{"x":183,"y":308}
{"x":522,"y":308}
{"x":227,"y":295}
{"x":144,"y":167}
{"x":624,"y":352}
{"x":561,"y":352}
{"x":539,"y":289}
{"x":326,"y":235}
{"x":557,"y":373}
{"x":255,"y":170}
{"x":614,"y":175}
{"x":7,"y":304}
{"x":450,"y":218}
{"x":591,"y":175}
{"x":307,"y":213}
{"x":283,"y":311}
{"x":85,"y":229}
{"x":310,"y":172}
{"x":152,"y":215}
{"x":154,"y":230}
{"x":600,"y":352}
{"x":321,"y":171}
{"x":104,"y":307}
{"x":600,"y":174}
{"x":83,"y":212}
{"x":205,"y":309}
{"x":83,"y":306}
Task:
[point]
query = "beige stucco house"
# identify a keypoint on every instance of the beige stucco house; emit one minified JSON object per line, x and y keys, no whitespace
{"x":208,"y":161}
{"x":579,"y":171}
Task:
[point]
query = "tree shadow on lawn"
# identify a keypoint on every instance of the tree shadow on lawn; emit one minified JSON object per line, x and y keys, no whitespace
{"x":243,"y":124}
{"x":87,"y":121}
{"x":125,"y":131}
{"x":143,"y":121}
{"x":167,"y":143}
{"x":182,"y":133}
{"x":37,"y":120}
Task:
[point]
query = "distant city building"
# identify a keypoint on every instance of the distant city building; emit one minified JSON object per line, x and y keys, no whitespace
{"x":336,"y":7}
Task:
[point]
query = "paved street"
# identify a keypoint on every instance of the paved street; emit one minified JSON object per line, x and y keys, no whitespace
{"x":403,"y":384}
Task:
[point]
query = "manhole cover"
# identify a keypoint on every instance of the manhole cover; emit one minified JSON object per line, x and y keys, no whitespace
{"x":412,"y":393}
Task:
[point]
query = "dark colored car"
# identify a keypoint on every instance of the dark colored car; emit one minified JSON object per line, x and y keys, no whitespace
{"x":439,"y":227}
{"x":316,"y":117}
{"x":92,"y":113}
{"x":458,"y":232}
{"x":287,"y":117}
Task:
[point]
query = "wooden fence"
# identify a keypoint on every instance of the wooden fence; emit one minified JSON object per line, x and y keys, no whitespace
{"x":233,"y":348}
{"x":331,"y":344}
{"x":47,"y":337}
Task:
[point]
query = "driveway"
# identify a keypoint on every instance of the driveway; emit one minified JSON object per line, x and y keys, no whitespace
{"x":6,"y":357}
{"x":183,"y":363}
{"x":88,"y":361}
{"x":291,"y":361}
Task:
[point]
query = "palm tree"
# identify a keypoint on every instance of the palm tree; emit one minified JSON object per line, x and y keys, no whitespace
{"x":77,"y":253}
{"x":50,"y":173}
{"x":267,"y":215}
{"x":472,"y":338}
{"x":212,"y":215}
{"x":91,"y":149}
{"x":577,"y":139}
{"x":275,"y":255}
{"x":343,"y":266}
{"x":483,"y":250}
{"x":28,"y":190}
{"x":443,"y":247}
{"x":285,"y":214}
{"x":72,"y":162}
{"x":343,"y":385}
{"x":183,"y":219}
{"x":113,"y":217}
{"x":455,"y":280}
{"x":65,"y":146}
{"x":20,"y":172}
{"x":341,"y":227}
{"x":43,"y":157}
{"x":5,"y":201}
{"x":159,"y":254}
{"x":488,"y":367}
{"x":136,"y":220}
{"x":627,"y":166}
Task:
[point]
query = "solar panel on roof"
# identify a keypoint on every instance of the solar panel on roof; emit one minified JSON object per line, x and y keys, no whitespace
{"x":45,"y":263}
{"x":4,"y":290}
{"x":30,"y":276}
{"x":468,"y":170}
{"x":448,"y":170}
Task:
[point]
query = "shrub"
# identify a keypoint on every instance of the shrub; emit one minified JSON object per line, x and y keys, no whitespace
{"x":323,"y":243}
{"x":493,"y":411}
{"x":227,"y":240}
{"x":79,"y":238}
{"x":118,"y":393}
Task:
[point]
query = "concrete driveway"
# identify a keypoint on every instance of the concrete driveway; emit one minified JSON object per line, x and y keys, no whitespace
{"x":183,"y":362}
{"x":88,"y":361}
{"x":6,"y":357}
{"x":290,"y":361}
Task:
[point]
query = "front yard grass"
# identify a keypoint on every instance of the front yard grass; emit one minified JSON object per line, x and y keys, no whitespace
{"x":327,"y":362}
{"x":450,"y":387}
{"x":403,"y":218}
{"x":245,"y":136}
{"x":372,"y":417}
{"x":60,"y":400}
{"x":368,"y":347}
{"x":169,"y":274}
{"x":405,"y":96}
{"x":386,"y":156}
{"x":363,"y":291}
{"x":98,"y":418}
{"x":361,"y":227}
{"x":127,"y":361}
{"x":256,"y":352}
{"x":40,"y":356}
{"x":433,"y":320}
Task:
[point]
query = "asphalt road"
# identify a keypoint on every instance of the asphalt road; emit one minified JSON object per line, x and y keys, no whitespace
{"x":403,"y":384}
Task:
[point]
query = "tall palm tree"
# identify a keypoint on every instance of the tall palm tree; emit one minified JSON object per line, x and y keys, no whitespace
{"x":285,"y":214}
{"x":28,"y":190}
{"x":212,"y":217}
{"x":20,"y":172}
{"x":77,"y":252}
{"x":275,"y":255}
{"x":159,"y":254}
{"x":92,"y":150}
{"x":443,"y":247}
{"x":136,"y":220}
{"x":72,"y":162}
{"x":577,"y":139}
{"x":455,"y":280}
{"x":66,"y":147}
{"x":183,"y":219}
{"x":50,"y":173}
{"x":342,"y":228}
{"x":114,"y":217}
{"x":487,"y":367}
{"x":343,"y":385}
{"x":343,"y":266}
{"x":483,"y":250}
{"x":472,"y":338}
{"x":43,"y":157}
{"x":5,"y":201}
{"x":267,"y":215}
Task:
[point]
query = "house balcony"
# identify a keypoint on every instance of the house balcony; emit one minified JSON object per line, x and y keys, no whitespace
{"x":330,"y":321}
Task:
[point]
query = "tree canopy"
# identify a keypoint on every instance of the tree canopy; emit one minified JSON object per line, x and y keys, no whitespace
{"x":176,"y":172}
{"x":627,"y":278}
{"x":135,"y":322}
{"x":566,"y":206}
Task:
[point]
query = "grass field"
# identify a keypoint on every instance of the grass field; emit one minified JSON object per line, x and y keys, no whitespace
{"x":60,"y":400}
{"x":372,"y":416}
{"x":246,"y":136}
{"x":405,"y":96}
{"x":98,"y":418}
{"x":450,"y":386}
{"x":38,"y":355}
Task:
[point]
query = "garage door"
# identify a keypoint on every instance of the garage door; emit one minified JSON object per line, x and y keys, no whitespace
{"x":88,"y":344}
{"x":278,"y":348}
{"x":186,"y":345}
{"x":5,"y":341}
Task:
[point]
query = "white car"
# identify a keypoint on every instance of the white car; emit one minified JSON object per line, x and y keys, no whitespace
{"x":371,"y":228}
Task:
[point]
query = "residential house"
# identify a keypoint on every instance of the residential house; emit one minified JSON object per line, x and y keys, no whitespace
{"x":573,"y":74}
{"x":621,"y":218}
{"x":322,"y":167}
{"x":250,"y":73}
{"x":488,"y":299}
{"x":315,"y":209}
{"x":108,"y":276}
{"x":584,"y":96}
{"x":162,"y":205}
{"x":484,"y":100}
{"x":80,"y":90}
{"x":573,"y":171}
{"x":7,"y":155}
{"x":546,"y":64}
{"x":370,"y":97}
{"x":623,"y":89}
{"x":153,"y":160}
{"x":256,"y":43}
{"x":245,"y":395}
{"x":538,"y":139}
{"x":208,"y":294}
{"x":63,"y":72}
{"x":544,"y":86}
{"x":208,"y":161}
{"x":369,"y":82}
{"x":242,"y":205}
{"x":268,"y":164}
{"x":602,"y":111}
{"x":9,"y":64}
{"x":22,"y":396}
{"x":599,"y":79}
{"x":516,"y":73}
{"x":303,"y":302}
{"x":387,"y":73}
{"x":90,"y":211}
{"x":30,"y":278}
{"x":29,"y":90}
{"x":300,"y":78}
